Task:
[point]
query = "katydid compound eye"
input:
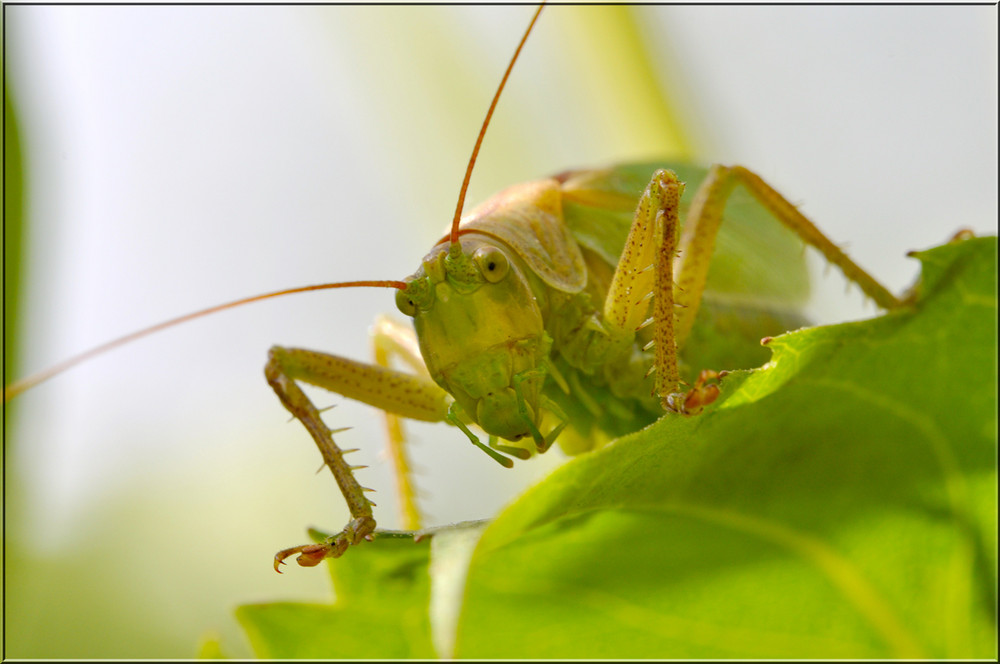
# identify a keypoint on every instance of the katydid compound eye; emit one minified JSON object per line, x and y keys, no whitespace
{"x":405,"y":304}
{"x":492,"y":263}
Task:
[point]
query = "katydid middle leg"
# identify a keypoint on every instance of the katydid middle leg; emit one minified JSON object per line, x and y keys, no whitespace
{"x":393,"y":339}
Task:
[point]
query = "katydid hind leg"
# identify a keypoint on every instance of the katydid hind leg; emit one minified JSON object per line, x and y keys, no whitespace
{"x":705,"y":217}
{"x":697,"y":245}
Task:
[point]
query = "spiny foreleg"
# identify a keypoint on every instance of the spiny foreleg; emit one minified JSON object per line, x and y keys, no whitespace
{"x":415,"y":397}
{"x":645,"y":270}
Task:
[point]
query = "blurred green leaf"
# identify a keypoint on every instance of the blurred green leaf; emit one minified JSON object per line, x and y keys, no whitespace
{"x":13,"y":232}
{"x":210,"y":647}
{"x":839,"y":502}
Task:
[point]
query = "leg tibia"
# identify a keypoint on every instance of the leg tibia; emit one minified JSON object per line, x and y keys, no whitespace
{"x":702,"y":224}
{"x":789,"y":215}
{"x":362,"y":523}
{"x":299,"y":405}
{"x":664,"y":334}
{"x":697,"y":245}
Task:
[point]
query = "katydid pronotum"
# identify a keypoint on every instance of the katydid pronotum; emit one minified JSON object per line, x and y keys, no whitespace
{"x":816,"y":162}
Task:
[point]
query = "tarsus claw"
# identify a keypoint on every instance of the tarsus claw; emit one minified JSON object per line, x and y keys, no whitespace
{"x":310,"y":555}
{"x":334,"y":546}
{"x":694,"y":400}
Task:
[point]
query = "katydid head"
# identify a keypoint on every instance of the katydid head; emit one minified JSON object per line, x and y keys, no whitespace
{"x":478,"y":324}
{"x":480,"y":330}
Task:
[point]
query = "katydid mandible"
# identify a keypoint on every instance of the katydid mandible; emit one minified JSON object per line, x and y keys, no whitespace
{"x":541,"y":314}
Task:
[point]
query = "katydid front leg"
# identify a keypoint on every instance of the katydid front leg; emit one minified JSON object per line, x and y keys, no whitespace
{"x":415,"y":397}
{"x":651,"y":243}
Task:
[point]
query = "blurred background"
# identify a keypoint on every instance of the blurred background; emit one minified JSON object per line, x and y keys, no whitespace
{"x":179,"y":157}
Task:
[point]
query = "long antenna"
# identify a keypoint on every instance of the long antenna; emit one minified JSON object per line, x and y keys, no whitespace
{"x":15,"y":388}
{"x":482,"y":131}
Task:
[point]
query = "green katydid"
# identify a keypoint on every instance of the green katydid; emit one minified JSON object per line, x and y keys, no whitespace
{"x":535,"y":319}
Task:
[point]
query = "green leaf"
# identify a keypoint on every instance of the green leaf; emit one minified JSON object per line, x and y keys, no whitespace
{"x":382,"y":595}
{"x":839,"y":502}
